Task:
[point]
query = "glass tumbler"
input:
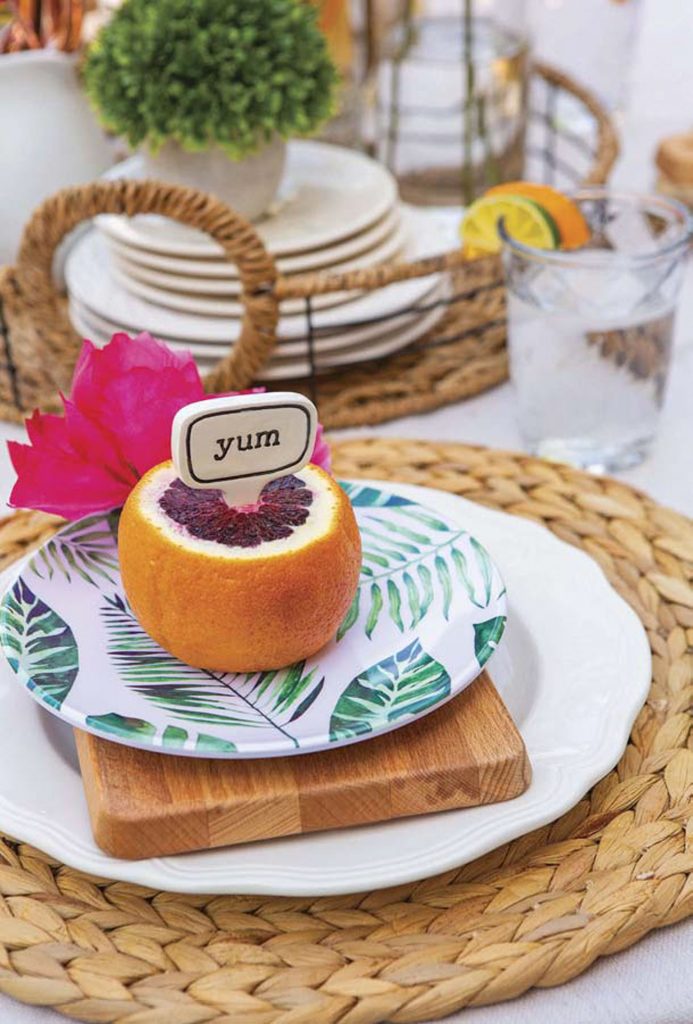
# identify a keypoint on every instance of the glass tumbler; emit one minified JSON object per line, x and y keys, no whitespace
{"x":590,"y":330}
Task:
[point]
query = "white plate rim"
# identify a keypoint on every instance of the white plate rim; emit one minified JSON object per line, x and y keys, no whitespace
{"x":296,"y":367}
{"x":131,"y":167}
{"x":318,"y":259}
{"x":227,"y":290}
{"x":176,"y":302}
{"x":562,"y":788}
{"x":387,"y":301}
{"x":324,"y":343}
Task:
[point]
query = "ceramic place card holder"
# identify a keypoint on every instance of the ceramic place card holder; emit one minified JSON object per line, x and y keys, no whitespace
{"x":239,"y":443}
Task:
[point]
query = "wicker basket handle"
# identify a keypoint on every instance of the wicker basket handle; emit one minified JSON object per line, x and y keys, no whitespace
{"x":62,"y":212}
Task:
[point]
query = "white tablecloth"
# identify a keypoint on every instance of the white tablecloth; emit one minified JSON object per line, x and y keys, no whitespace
{"x":653,"y":982}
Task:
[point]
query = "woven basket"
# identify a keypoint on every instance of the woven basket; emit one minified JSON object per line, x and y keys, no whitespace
{"x":535,"y":912}
{"x":463,"y":355}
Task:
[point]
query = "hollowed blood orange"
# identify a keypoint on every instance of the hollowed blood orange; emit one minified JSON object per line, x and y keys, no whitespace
{"x":239,"y":590}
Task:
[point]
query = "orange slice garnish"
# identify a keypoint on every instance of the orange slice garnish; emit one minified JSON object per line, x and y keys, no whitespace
{"x":567,"y":216}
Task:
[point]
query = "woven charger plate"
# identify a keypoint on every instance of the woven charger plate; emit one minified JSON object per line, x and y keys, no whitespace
{"x":537,"y":911}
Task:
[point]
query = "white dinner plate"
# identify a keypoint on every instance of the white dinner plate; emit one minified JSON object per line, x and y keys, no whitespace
{"x":298,"y":264}
{"x":324,"y":341}
{"x":92,"y":257}
{"x":574,"y":669}
{"x":280,"y":368}
{"x":208,"y":291}
{"x":328,"y":193}
{"x":214,"y":307}
{"x":89,"y":279}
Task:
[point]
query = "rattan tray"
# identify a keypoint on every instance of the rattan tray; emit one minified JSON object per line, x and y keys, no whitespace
{"x":537,"y":911}
{"x":463,"y":355}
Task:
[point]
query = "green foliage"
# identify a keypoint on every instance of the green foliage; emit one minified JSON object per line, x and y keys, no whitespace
{"x":201,"y":72}
{"x":87,"y":548}
{"x":38,"y":641}
{"x":486,"y":637}
{"x":270,"y":700}
{"x":409,"y":560}
{"x":138,"y":728}
{"x":404,"y":684}
{"x":362,"y":496}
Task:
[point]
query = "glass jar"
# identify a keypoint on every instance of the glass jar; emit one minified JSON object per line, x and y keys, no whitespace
{"x":451,"y":99}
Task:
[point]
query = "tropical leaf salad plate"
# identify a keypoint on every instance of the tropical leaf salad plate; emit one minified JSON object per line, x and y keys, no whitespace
{"x":429,"y":612}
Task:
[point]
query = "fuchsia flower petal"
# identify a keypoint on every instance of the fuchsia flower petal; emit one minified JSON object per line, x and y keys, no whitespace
{"x":53,"y":481}
{"x":142,"y":405}
{"x":67,"y":456}
{"x":321,"y":452}
{"x":116,"y":426}
{"x":91,"y":443}
{"x":43,"y":428}
{"x":96,"y":368}
{"x":134,"y":387}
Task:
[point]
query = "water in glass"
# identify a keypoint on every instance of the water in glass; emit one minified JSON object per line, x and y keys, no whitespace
{"x":590,"y":335}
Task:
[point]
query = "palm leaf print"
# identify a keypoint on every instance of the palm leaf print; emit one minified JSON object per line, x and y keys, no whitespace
{"x":404,"y":684}
{"x":172,"y":736}
{"x":485,"y":566}
{"x":486,"y":637}
{"x":87,"y":549}
{"x":362,"y":496}
{"x":37,"y":640}
{"x":413,"y":561}
{"x":258,"y":700}
{"x":351,"y":616}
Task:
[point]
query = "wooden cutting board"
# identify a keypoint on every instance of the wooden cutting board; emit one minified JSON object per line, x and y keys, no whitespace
{"x":144,"y":804}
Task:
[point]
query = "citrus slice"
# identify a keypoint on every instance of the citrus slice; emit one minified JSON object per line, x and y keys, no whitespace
{"x":524,"y":219}
{"x":239,"y":589}
{"x":567,"y":215}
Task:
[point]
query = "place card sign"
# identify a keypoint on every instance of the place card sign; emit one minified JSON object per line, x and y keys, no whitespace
{"x":239,"y":443}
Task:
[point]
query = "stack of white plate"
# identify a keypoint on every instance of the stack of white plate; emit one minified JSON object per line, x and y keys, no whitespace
{"x":337,"y":210}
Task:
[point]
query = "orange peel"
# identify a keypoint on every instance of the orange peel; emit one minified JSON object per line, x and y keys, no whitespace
{"x":240,"y":609}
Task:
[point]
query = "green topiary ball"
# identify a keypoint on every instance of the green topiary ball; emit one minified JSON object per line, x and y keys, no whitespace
{"x":233,"y":73}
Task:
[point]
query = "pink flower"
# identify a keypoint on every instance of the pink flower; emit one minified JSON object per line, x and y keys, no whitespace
{"x":116,"y":426}
{"x":321,"y":452}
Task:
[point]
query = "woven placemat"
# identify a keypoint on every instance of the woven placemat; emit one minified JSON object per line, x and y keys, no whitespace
{"x":537,"y":911}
